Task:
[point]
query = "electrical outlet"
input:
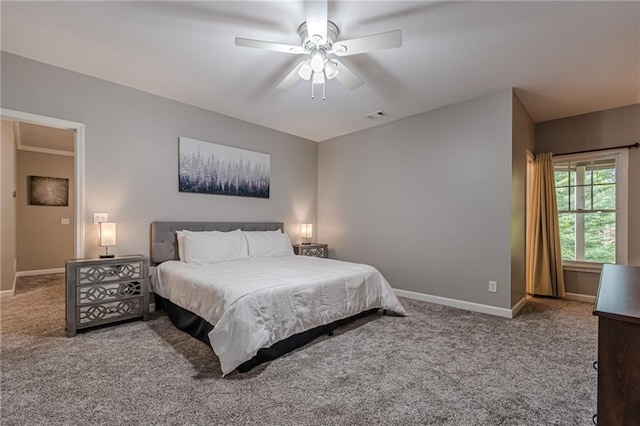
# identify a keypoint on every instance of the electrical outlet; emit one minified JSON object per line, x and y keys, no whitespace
{"x":64,"y":221}
{"x":493,"y":286}
{"x":100,"y":217}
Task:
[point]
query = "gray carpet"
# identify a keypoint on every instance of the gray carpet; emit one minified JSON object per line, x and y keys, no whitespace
{"x":439,"y":366}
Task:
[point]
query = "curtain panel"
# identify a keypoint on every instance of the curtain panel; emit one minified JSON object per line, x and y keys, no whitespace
{"x":544,"y":263}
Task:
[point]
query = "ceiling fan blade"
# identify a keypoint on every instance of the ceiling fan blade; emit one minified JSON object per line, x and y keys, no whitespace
{"x":291,"y":78}
{"x":315,"y":13}
{"x":267,"y":45}
{"x":365,"y":44}
{"x":346,"y":76}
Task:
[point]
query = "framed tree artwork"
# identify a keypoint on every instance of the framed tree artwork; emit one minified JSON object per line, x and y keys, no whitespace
{"x":210,"y":168}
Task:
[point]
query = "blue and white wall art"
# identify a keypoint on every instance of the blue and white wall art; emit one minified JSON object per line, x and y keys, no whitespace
{"x":209,"y":168}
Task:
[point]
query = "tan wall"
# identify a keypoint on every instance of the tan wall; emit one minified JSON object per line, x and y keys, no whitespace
{"x":8,"y":204}
{"x":43,"y":242}
{"x":602,"y":129}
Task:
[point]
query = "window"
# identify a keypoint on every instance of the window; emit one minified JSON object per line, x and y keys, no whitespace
{"x":591,"y":192}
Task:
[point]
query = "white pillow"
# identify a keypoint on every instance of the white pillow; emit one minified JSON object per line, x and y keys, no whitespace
{"x":268,"y":244}
{"x":180,"y":237}
{"x":214,"y":246}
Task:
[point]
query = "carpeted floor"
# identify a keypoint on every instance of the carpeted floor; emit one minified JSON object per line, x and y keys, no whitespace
{"x":438,"y":366}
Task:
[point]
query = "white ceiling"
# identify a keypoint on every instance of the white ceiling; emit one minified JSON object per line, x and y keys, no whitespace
{"x":565,"y":58}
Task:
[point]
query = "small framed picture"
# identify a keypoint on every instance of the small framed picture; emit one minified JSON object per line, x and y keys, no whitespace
{"x":48,"y":191}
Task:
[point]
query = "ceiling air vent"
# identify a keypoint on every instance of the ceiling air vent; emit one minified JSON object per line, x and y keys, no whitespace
{"x":377,"y":114}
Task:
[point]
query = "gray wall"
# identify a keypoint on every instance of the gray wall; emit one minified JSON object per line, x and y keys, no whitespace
{"x":132,"y":154}
{"x":427,"y":199}
{"x":43,"y":242}
{"x":8,"y":206}
{"x":603,"y":129}
{"x":523,"y":141}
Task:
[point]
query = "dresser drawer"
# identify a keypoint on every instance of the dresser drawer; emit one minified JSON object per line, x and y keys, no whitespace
{"x":100,"y":293}
{"x":102,"y":313}
{"x":90,"y":274}
{"x":313,"y":250}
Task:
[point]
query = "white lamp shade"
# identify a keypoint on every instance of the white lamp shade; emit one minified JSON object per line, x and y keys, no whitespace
{"x":107,"y":234}
{"x":318,"y":78}
{"x":331,"y":70}
{"x":317,"y":60}
{"x":306,"y":230}
{"x":305,"y":70}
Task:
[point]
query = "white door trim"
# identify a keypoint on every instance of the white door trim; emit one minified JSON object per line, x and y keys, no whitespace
{"x":527,"y":216}
{"x":79,"y":163}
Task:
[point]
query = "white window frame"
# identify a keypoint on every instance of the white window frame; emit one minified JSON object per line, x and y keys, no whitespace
{"x":622,"y":206}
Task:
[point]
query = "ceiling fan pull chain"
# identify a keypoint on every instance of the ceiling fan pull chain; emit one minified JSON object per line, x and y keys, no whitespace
{"x":312,"y":90}
{"x":323,"y":91}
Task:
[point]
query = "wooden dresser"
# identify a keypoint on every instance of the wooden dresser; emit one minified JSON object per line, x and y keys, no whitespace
{"x":618,"y":309}
{"x":102,"y":291}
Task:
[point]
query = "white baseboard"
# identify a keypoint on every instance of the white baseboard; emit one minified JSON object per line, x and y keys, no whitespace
{"x":461,"y":304}
{"x":580,"y":297}
{"x":518,"y":306}
{"x":40,"y":272}
{"x":7,"y":293}
{"x":12,"y":292}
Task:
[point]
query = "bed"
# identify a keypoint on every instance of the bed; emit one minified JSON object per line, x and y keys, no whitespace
{"x":252,"y":310}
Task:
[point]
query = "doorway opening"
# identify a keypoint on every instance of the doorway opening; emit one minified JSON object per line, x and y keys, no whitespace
{"x":53,"y":144}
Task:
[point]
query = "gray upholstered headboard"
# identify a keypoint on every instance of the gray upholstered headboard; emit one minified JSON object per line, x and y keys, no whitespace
{"x":164,"y":244}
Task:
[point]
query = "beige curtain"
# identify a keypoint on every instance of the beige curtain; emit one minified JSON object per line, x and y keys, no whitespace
{"x":544,"y":260}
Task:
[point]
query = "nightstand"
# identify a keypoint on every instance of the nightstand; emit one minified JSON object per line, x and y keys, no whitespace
{"x":102,"y":291}
{"x":313,"y":249}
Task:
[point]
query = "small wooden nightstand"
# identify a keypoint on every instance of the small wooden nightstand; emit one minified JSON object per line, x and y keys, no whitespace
{"x":101,"y":291}
{"x":313,"y":249}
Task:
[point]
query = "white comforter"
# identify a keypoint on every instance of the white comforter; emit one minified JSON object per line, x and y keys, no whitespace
{"x":256,"y":303}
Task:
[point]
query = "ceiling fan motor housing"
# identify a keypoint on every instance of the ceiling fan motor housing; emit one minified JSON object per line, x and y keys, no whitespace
{"x":308,"y":43}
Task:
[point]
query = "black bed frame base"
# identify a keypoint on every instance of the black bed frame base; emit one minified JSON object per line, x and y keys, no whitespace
{"x":199,"y":328}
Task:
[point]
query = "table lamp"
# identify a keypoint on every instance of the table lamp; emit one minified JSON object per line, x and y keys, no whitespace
{"x":107,"y":238}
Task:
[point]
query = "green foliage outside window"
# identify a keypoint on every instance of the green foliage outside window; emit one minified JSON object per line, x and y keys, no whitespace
{"x":592,"y":203}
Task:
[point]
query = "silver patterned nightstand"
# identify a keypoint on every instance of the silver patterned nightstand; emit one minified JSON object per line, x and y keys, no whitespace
{"x":101,"y":291}
{"x":313,"y":249}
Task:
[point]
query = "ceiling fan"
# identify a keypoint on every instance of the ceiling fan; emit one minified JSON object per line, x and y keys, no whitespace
{"x":320,"y":46}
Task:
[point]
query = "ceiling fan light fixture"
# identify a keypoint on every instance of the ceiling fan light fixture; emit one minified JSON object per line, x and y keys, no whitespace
{"x":317,"y":60}
{"x":305,"y":70}
{"x":319,"y":39}
{"x":331,"y":70}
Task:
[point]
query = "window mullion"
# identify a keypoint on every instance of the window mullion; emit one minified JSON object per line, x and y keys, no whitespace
{"x":591,"y":184}
{"x":579,"y":189}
